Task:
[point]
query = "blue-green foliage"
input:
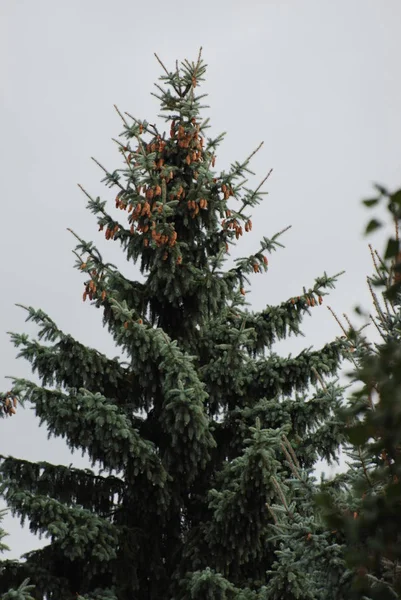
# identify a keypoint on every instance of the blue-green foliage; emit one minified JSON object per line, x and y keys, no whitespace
{"x":188,"y":431}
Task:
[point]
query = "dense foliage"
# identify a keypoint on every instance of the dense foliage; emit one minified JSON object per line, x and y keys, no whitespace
{"x":366,"y":505}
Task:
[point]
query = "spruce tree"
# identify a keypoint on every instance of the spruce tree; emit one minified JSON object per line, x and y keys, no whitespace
{"x":189,"y":435}
{"x":310,"y":557}
{"x":23,"y":592}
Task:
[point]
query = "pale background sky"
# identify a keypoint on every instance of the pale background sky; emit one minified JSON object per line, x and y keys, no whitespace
{"x":317,"y":80}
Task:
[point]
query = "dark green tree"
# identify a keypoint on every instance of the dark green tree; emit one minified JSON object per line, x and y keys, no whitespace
{"x":186,"y":434}
{"x":364,"y":504}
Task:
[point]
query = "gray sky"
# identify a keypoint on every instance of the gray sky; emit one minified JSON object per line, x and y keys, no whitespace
{"x":317,"y":80}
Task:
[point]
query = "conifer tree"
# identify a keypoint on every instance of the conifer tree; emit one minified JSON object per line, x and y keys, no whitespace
{"x":189,"y":435}
{"x":23,"y":591}
{"x":310,"y":558}
{"x":365,"y":505}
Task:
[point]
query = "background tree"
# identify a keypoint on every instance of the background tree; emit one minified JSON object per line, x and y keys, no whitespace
{"x":365,"y":505}
{"x":187,"y":432}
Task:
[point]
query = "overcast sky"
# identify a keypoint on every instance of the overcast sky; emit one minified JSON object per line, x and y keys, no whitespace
{"x":317,"y":80}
